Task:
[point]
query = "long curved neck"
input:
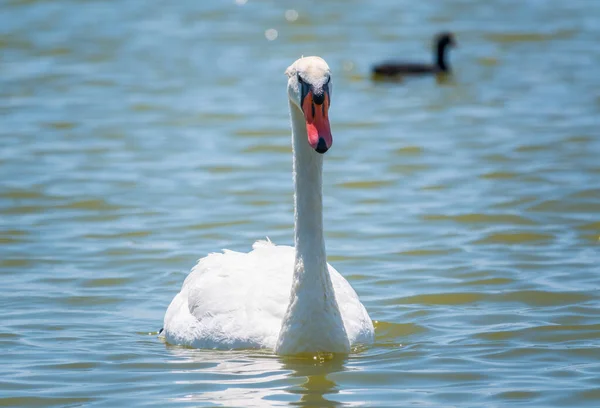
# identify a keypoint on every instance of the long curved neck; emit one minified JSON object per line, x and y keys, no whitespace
{"x":308,"y":205}
{"x":440,"y":58}
{"x":312,"y":321}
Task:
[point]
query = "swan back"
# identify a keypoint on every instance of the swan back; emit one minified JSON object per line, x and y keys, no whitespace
{"x":235,"y":300}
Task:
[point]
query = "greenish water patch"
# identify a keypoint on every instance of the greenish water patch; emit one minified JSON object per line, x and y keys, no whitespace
{"x":365,"y":185}
{"x":530,"y":37}
{"x":515,"y":238}
{"x":492,"y":219}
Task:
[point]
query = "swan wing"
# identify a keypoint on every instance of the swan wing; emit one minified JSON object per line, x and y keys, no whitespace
{"x":235,"y":300}
{"x":357,"y":322}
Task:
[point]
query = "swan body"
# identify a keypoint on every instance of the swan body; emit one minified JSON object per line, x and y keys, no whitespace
{"x":288,"y":299}
{"x":235,"y":300}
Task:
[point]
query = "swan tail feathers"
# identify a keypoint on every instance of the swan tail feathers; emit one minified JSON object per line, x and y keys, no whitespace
{"x":263,"y":244}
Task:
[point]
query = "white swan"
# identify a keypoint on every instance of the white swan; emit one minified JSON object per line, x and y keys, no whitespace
{"x":278,"y":297}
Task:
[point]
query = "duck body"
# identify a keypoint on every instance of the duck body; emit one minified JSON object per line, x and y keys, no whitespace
{"x":392,"y":68}
{"x":288,"y":299}
{"x":440,"y":65}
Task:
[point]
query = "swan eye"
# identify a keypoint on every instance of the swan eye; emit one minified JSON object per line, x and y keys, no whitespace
{"x":303,"y":88}
{"x":328,"y":80}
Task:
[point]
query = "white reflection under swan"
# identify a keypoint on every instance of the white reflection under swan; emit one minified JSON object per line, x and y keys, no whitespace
{"x":258,"y":379}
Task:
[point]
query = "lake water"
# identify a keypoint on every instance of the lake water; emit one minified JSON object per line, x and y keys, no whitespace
{"x":138,"y":136}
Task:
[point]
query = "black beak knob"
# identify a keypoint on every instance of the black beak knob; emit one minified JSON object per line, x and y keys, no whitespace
{"x":322,"y":146}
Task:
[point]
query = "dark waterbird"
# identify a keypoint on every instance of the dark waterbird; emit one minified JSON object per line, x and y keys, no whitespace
{"x":441,"y":42}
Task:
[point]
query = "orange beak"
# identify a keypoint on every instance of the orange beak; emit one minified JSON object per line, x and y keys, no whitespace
{"x":317,"y":121}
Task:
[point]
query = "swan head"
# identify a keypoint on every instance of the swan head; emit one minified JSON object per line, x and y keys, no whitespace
{"x":309,"y":89}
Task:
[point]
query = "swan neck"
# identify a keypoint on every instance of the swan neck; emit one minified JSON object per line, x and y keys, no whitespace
{"x":312,"y":321}
{"x":308,"y":199}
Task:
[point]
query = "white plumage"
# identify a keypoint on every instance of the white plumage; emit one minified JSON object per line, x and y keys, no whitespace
{"x":234,"y":300}
{"x":284,"y":298}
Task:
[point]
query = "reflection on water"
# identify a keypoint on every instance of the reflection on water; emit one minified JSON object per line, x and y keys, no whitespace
{"x":259,"y":379}
{"x":317,"y":382}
